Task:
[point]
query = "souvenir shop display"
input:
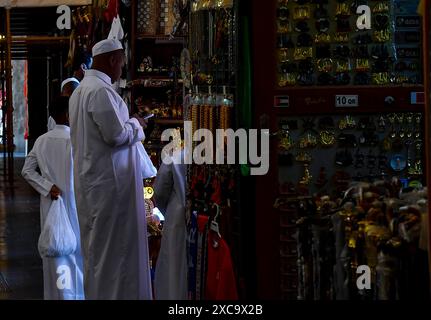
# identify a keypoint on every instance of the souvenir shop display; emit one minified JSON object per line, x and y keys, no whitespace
{"x":198,"y":5}
{"x":325,"y":43}
{"x":211,"y":202}
{"x":326,"y":241}
{"x":156,"y":85}
{"x":196,"y":83}
{"x":208,"y":70}
{"x":314,"y":151}
{"x":87,"y":22}
{"x":320,"y":156}
{"x":212,"y":49}
{"x":162,"y":17}
{"x":93,"y":23}
{"x":347,"y":114}
{"x":210,"y":111}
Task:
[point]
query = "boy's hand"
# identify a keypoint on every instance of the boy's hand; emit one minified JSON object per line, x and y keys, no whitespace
{"x":55,"y":192}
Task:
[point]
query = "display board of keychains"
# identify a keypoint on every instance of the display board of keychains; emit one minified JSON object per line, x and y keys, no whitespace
{"x":348,"y":42}
{"x":323,"y":154}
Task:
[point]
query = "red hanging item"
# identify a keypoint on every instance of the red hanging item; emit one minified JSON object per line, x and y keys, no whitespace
{"x":111,"y":11}
{"x":221,"y":282}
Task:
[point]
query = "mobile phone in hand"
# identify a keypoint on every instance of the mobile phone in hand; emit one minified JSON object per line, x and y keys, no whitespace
{"x":149,"y":116}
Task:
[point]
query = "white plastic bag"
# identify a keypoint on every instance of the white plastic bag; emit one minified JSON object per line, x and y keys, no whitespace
{"x":147,"y":167}
{"x":116,"y":29}
{"x":57,"y":238}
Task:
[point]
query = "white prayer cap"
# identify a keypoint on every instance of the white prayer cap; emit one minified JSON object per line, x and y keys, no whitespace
{"x":67,"y":81}
{"x":105,"y":46}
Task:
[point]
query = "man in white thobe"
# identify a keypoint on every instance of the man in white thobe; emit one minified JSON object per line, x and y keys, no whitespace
{"x":108,"y":182}
{"x":51,"y":153}
{"x":170,"y":281}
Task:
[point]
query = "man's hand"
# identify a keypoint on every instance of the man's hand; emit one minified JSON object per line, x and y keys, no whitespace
{"x":55,"y":192}
{"x":143,"y":122}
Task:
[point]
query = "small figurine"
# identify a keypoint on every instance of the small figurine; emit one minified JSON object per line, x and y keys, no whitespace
{"x":306,"y":179}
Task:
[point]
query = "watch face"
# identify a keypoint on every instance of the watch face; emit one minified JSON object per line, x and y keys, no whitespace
{"x":377,"y":56}
{"x":283,"y":13}
{"x":288,"y":67}
{"x":398,"y":162}
{"x":302,"y":26}
{"x":322,"y":25}
{"x":342,"y":78}
{"x":304,"y":40}
{"x":323,"y":52}
{"x":320,"y":13}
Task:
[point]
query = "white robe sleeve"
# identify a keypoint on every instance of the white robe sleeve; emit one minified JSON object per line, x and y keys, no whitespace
{"x":39,"y":183}
{"x":114,"y":131}
{"x":163,"y":187}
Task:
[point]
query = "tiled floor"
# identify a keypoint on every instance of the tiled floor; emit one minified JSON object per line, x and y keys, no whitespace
{"x":20,"y":264}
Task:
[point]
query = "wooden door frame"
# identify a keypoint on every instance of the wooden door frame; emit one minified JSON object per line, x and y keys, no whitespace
{"x":267,"y":220}
{"x":427,"y":83}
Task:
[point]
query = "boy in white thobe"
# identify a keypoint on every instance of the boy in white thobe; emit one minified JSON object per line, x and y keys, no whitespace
{"x":52,"y":154}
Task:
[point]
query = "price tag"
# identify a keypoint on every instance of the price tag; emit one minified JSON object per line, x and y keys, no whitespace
{"x":402,"y":37}
{"x":408,"y":22}
{"x":408,"y":52}
{"x":342,"y":101}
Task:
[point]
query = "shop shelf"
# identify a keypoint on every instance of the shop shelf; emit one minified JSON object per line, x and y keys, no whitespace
{"x":169,"y":121}
{"x":161,"y":39}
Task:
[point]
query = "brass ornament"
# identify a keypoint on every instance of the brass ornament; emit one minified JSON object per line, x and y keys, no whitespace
{"x":327,"y":138}
{"x":148,"y":192}
{"x":306,"y":178}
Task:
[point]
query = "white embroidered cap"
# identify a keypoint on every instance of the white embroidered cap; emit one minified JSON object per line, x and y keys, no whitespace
{"x":66,"y":81}
{"x":105,"y":46}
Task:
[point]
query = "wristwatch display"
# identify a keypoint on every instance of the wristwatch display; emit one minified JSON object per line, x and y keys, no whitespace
{"x":367,"y":42}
